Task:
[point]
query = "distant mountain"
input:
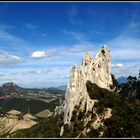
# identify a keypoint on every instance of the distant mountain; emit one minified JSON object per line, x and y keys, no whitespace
{"x":122,"y":80}
{"x":8,"y":88}
{"x":63,"y":87}
{"x":13,"y":96}
{"x":55,"y":90}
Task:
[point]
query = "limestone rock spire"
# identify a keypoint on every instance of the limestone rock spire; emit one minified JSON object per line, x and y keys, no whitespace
{"x":97,"y":70}
{"x":87,"y":58}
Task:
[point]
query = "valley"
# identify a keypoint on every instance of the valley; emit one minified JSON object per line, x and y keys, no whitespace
{"x":22,"y":108}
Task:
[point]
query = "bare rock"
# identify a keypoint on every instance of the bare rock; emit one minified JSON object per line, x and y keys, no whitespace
{"x":98,"y":71}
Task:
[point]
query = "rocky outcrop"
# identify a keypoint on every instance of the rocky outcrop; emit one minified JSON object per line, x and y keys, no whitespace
{"x":44,"y":114}
{"x":78,"y":98}
{"x":98,"y":71}
{"x":14,"y":120}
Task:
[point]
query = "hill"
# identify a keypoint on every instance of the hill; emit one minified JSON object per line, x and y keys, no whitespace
{"x":63,"y":87}
{"x":9,"y":88}
{"x":122,"y":80}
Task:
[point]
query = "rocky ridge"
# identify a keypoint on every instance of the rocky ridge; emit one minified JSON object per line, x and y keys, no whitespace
{"x":97,"y":71}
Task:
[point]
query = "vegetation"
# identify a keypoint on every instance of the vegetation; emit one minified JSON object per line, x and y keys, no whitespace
{"x":131,"y":89}
{"x":22,"y":105}
{"x":125,"y":105}
{"x":77,"y":125}
{"x":47,"y":127}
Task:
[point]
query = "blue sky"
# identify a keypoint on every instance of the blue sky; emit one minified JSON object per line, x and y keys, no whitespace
{"x":41,"y":41}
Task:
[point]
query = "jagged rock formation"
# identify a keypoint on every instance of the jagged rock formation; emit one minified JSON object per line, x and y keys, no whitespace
{"x":97,"y":71}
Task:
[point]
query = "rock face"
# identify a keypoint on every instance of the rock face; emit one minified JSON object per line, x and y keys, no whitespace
{"x":98,"y":71}
{"x":14,"y":120}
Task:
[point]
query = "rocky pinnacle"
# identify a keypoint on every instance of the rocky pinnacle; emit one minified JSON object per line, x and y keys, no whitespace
{"x":98,"y":71}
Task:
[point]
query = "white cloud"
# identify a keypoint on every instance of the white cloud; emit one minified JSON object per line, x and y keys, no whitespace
{"x":80,"y":48}
{"x":14,"y":73}
{"x":38,"y":71}
{"x":5,"y":36}
{"x":119,"y":65}
{"x":64,"y":77}
{"x":128,"y":38}
{"x":61,"y":52}
{"x":2,"y":74}
{"x":12,"y":43}
{"x":39,"y":54}
{"x":6,"y":58}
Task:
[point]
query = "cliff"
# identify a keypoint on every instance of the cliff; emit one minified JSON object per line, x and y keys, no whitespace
{"x":98,"y":71}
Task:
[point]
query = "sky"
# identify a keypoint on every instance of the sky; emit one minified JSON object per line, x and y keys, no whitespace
{"x":41,"y":41}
